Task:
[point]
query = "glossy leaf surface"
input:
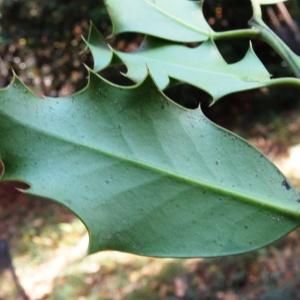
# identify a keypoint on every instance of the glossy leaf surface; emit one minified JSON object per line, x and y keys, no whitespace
{"x":145,"y":175}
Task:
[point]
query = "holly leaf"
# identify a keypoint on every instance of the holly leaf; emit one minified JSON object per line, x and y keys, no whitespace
{"x":203,"y":66}
{"x":182,"y":21}
{"x":144,"y":175}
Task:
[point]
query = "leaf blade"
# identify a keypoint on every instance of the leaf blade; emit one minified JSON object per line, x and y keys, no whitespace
{"x":140,"y":176}
{"x":202,"y":66}
{"x":182,"y":21}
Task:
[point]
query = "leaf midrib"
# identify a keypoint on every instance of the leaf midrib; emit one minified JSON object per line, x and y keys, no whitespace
{"x":204,"y":185}
{"x":229,"y":74}
{"x":205,"y":32}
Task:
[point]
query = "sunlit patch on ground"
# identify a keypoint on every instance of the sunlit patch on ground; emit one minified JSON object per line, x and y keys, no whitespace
{"x":290,"y":165}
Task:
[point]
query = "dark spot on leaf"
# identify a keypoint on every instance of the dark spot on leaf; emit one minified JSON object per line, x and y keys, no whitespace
{"x":298,"y":200}
{"x":286,"y":184}
{"x":246,"y":227}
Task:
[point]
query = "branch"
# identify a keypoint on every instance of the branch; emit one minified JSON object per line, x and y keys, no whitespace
{"x":236,"y":34}
{"x":271,"y":38}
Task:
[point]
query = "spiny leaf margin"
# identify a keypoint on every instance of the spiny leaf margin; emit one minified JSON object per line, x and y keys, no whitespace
{"x":113,"y":163}
{"x":203,"y":66}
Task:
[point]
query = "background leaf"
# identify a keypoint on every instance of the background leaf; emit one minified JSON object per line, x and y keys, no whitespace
{"x":182,"y":21}
{"x":202,"y":66}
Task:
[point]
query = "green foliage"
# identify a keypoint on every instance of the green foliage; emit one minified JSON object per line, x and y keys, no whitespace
{"x":202,"y":66}
{"x":152,"y":179}
{"x":182,"y":21}
{"x":145,"y":175}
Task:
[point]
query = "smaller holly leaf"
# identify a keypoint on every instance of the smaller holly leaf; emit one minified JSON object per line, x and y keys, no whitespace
{"x":175,"y":20}
{"x":203,"y":66}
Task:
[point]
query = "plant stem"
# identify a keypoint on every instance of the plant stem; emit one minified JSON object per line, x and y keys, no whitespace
{"x":288,"y":81}
{"x":236,"y":34}
{"x":278,"y":45}
{"x":261,"y":31}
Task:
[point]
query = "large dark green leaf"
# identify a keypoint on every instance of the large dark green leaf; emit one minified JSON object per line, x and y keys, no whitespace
{"x":145,"y":175}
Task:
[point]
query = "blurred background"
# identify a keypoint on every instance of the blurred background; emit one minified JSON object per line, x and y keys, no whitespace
{"x":41,"y":41}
